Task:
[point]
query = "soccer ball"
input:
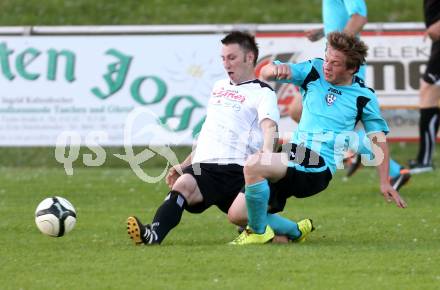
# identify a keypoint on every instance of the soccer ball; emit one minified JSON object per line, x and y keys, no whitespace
{"x":55,"y":216}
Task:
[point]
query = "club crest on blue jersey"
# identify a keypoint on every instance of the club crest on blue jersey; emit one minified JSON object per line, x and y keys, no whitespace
{"x":330,"y":98}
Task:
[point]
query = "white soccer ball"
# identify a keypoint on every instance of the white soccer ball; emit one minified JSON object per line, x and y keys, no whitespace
{"x":55,"y":216}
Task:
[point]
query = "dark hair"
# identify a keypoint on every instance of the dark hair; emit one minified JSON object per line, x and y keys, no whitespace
{"x":352,"y":47}
{"x":245,"y":40}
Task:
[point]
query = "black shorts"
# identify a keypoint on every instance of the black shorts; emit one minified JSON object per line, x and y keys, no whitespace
{"x":432,"y":73}
{"x":299,"y":183}
{"x":219,"y":185}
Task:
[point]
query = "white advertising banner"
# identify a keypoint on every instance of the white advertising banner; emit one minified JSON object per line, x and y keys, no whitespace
{"x":111,"y":89}
{"x":90,"y":84}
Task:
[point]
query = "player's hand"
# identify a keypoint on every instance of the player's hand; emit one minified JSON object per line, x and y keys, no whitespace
{"x":172,"y":176}
{"x":282,"y":72}
{"x":314,"y":34}
{"x":390,"y":194}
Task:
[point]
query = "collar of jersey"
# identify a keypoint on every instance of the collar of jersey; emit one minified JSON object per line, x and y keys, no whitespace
{"x":245,"y":82}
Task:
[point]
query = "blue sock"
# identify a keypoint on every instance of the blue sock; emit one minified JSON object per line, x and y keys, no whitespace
{"x":257,"y":197}
{"x":283,"y":226}
{"x":394,"y":168}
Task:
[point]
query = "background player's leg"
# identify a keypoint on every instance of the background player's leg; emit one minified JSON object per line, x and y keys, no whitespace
{"x":429,"y":122}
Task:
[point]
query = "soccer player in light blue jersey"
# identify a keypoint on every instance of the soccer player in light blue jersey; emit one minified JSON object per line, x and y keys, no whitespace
{"x":335,"y":100}
{"x":349,"y":16}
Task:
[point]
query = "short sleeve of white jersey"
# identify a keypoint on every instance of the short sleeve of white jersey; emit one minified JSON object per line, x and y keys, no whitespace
{"x":268,"y":106}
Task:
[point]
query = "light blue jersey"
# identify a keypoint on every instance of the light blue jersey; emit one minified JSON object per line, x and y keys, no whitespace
{"x":331,"y":112}
{"x":336,"y":13}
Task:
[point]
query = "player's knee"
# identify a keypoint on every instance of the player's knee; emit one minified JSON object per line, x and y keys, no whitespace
{"x":232,"y":218}
{"x":185,"y":184}
{"x":236,"y":217}
{"x":251,"y":164}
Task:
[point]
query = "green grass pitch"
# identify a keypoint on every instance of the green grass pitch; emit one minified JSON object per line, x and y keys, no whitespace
{"x":361,"y":242}
{"x":113,"y":12}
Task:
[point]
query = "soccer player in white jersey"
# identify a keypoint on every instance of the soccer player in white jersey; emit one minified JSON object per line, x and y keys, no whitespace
{"x":242,"y":117}
{"x":335,"y":99}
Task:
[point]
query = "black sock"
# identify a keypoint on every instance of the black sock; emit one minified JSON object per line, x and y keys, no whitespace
{"x":168,"y":214}
{"x":428,"y":128}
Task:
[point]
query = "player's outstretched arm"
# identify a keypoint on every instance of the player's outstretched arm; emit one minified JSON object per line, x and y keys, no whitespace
{"x":273,"y":72}
{"x":266,"y":73}
{"x":270,"y":135}
{"x":355,"y":24}
{"x":380,"y":150}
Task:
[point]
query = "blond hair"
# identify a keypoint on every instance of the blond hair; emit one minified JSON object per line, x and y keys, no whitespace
{"x":352,"y":47}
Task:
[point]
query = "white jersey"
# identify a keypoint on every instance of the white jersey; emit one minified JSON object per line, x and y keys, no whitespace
{"x":231,"y":131}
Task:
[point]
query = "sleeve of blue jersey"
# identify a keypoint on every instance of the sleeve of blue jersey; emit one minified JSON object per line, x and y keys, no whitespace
{"x":372,"y":118}
{"x":356,"y":7}
{"x":299,"y":71}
